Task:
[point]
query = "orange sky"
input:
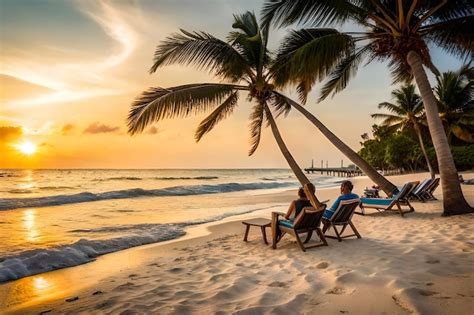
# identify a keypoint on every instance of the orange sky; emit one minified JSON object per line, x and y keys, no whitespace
{"x":70,"y":70}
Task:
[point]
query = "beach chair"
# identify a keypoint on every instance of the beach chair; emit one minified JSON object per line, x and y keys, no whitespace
{"x":428,"y":195}
{"x":342,"y":217}
{"x":307,"y":221}
{"x":387,"y":204}
{"x":420,"y":190}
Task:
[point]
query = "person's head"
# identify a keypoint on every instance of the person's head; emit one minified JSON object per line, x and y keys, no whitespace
{"x":346,"y":187}
{"x":301,"y":193}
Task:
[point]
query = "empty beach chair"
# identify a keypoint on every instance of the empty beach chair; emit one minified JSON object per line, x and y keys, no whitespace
{"x":420,"y":190}
{"x":307,"y":221}
{"x":428,"y":195}
{"x":388,"y":204}
{"x":342,"y":217}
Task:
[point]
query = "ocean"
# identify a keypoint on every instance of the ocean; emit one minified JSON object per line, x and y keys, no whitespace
{"x":51,"y":219}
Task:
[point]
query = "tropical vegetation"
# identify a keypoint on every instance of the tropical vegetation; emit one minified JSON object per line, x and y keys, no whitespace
{"x":398,"y":32}
{"x":406,"y":112}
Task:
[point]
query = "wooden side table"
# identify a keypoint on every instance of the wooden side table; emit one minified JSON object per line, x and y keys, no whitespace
{"x":262,"y":223}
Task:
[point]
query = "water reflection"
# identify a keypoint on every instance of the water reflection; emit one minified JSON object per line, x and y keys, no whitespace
{"x":29,"y":223}
{"x":40,"y":283}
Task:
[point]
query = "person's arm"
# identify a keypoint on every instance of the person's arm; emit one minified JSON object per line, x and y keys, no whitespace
{"x":335,"y":204}
{"x":291,"y":208}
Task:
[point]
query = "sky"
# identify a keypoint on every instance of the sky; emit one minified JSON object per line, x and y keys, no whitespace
{"x":69,"y":71}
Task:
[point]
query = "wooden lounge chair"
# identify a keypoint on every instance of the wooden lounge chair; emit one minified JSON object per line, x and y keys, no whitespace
{"x":428,"y":195}
{"x":420,"y":190}
{"x":342,"y":216}
{"x":387,"y":204}
{"x":307,"y":221}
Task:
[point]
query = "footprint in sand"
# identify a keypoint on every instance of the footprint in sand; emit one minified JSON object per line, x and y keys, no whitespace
{"x":432,"y":261}
{"x":278,"y":284}
{"x":174,"y":270}
{"x":322,"y":265}
{"x":336,"y":290}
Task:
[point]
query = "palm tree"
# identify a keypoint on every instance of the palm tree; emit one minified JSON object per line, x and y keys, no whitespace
{"x":243,"y":61}
{"x":455,"y":93}
{"x":395,"y":31}
{"x":406,"y":113}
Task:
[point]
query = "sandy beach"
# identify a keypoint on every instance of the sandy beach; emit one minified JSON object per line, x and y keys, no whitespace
{"x":419,"y":264}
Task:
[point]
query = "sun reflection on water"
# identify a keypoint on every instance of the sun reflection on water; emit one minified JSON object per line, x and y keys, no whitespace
{"x":40,"y":283}
{"x":29,"y":223}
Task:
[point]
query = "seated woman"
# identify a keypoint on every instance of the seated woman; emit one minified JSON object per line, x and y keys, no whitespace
{"x":346,"y":194}
{"x":297,"y":205}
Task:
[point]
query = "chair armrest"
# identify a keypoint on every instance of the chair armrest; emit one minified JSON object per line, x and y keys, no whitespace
{"x":279,"y":213}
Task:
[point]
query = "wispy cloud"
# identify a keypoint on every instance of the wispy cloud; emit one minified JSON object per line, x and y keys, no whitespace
{"x":97,"y":127}
{"x":71,"y":81}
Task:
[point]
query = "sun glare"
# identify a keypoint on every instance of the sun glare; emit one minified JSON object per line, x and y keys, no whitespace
{"x":27,"y":147}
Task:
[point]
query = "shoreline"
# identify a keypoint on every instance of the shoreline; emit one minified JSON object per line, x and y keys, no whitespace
{"x":50,"y":290}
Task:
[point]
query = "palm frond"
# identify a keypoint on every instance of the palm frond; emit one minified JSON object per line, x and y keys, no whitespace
{"x":394,"y":108}
{"x":454,"y":36}
{"x":286,"y":12}
{"x":343,"y":72}
{"x":388,"y":120}
{"x":280,"y":104}
{"x":220,"y":113}
{"x":180,"y":101}
{"x":203,"y":51}
{"x":256,"y":122}
{"x":309,"y":55}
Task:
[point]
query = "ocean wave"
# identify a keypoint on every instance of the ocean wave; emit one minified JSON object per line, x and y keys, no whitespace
{"x":56,"y":187}
{"x":14,"y":203}
{"x":20,"y":191}
{"x":186,"y":177}
{"x":118,"y":178}
{"x":83,"y":251}
{"x":36,"y":261}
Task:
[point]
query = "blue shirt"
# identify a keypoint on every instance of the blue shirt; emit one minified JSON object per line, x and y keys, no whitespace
{"x":329,"y":212}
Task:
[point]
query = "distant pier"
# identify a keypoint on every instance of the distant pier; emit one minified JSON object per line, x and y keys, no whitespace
{"x":335,"y":171}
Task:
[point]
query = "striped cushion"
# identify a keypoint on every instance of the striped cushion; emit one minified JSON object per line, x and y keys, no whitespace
{"x":286,"y":223}
{"x":376,"y":201}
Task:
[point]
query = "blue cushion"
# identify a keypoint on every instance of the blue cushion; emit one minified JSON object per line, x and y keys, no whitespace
{"x":376,"y":201}
{"x":286,"y":223}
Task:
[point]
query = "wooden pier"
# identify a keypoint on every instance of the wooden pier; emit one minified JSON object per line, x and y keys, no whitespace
{"x":335,"y":171}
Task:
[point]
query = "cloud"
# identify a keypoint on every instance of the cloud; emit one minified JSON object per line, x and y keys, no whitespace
{"x":10,"y":133}
{"x":152,"y":131}
{"x":97,"y":127}
{"x":67,"y":129}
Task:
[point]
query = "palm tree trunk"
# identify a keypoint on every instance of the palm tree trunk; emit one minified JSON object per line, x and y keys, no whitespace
{"x":453,"y":199}
{"x":422,"y":145}
{"x":380,"y":180}
{"x":291,"y":161}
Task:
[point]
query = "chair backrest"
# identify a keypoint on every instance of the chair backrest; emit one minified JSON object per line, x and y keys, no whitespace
{"x":414,"y":186}
{"x":434,"y":184}
{"x":403,"y":194}
{"x":308,"y":218}
{"x":422,"y":186}
{"x":345,"y":210}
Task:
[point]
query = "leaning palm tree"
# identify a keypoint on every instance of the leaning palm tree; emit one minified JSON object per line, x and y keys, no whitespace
{"x":242,"y":61}
{"x":455,"y":93}
{"x":406,"y":112}
{"x":395,"y":31}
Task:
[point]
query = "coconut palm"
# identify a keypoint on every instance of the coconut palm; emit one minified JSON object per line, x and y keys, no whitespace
{"x":406,"y":113}
{"x":242,"y":61}
{"x":455,"y":93}
{"x":395,"y":31}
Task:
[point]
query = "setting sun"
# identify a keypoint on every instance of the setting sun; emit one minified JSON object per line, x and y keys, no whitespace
{"x":27,"y":147}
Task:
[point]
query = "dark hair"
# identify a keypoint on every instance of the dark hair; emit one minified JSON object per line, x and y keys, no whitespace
{"x":301,"y":193}
{"x":348,"y":184}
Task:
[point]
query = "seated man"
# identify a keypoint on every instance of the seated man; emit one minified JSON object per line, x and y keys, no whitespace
{"x":346,"y":194}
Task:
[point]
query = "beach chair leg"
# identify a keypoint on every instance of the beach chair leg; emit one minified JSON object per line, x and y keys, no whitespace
{"x":246,"y":232}
{"x":354,"y":229}
{"x":275,"y":230}
{"x":410,"y":206}
{"x":343,"y":229}
{"x":300,"y":243}
{"x":326,"y":226}
{"x":321,"y":236}
{"x":264,"y":235}
{"x":308,"y":237}
{"x":400,"y":209}
{"x":337,"y":233}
